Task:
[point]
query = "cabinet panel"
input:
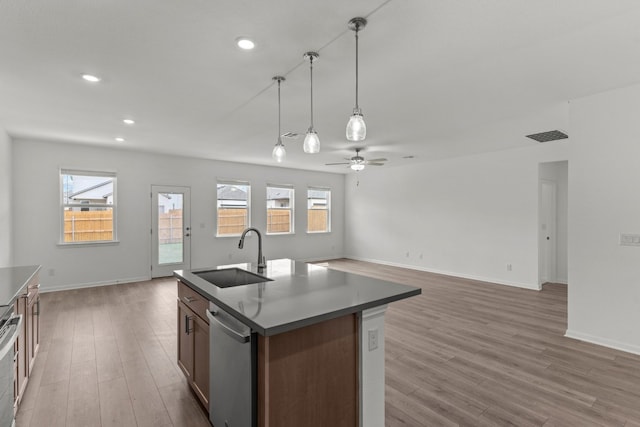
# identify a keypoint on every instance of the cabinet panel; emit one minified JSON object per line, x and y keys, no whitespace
{"x":193,"y":350}
{"x":185,"y":339}
{"x":196,"y":302}
{"x":33,"y":325}
{"x":201,"y":360}
{"x":309,"y":376}
{"x":20,"y":308}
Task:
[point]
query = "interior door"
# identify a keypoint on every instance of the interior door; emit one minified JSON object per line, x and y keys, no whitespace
{"x":547,"y":232}
{"x":170,"y":229}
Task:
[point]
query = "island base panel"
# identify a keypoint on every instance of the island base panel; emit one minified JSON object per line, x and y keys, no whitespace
{"x":309,"y":376}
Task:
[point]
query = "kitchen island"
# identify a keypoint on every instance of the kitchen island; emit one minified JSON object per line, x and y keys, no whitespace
{"x":320,"y":340}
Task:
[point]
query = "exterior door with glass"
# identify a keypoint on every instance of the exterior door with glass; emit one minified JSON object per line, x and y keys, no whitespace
{"x":170,"y":229}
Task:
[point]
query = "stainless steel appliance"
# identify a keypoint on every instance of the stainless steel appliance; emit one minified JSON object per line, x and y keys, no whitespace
{"x":233,"y":349}
{"x":9,"y":330}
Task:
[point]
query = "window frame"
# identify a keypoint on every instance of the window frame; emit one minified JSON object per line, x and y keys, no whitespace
{"x":224,"y":181}
{"x":291,"y":208}
{"x":83,"y":204}
{"x":328,"y":208}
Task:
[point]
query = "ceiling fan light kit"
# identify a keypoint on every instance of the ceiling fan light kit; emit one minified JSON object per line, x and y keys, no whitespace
{"x":358,"y":163}
{"x":356,"y":127}
{"x":279,"y":153}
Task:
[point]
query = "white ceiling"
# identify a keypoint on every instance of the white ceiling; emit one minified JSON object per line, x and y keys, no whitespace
{"x":438,"y":78}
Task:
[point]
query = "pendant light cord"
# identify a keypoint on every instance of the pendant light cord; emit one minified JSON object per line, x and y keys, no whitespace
{"x":311,"y":73}
{"x":279,"y":114}
{"x":357,"y":28}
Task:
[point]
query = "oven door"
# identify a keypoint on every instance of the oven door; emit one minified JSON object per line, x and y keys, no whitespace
{"x":9,"y":334}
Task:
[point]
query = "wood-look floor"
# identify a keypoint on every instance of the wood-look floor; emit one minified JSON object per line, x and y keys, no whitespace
{"x":479,"y":354}
{"x":462,"y":353}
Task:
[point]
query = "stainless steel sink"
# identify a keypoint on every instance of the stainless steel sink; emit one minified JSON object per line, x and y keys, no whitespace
{"x":230,"y":277}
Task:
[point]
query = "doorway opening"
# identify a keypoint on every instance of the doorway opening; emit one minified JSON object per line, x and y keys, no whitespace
{"x":553,"y":199}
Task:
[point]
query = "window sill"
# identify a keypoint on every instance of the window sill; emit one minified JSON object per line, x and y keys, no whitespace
{"x":318,"y":232}
{"x":85,"y":244}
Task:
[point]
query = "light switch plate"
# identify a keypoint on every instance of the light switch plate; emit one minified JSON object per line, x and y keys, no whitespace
{"x":629,"y":239}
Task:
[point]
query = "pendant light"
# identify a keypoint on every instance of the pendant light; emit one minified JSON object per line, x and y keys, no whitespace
{"x":356,"y":128}
{"x":279,"y":153}
{"x":311,"y":141}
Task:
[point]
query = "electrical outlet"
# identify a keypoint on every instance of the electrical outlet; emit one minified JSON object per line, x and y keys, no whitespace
{"x":52,"y":272}
{"x":509,"y":267}
{"x":373,"y":339}
{"x":407,"y":254}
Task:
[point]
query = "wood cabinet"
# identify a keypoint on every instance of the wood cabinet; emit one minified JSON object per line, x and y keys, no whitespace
{"x":28,"y":306}
{"x":193,"y":341}
{"x":309,"y":376}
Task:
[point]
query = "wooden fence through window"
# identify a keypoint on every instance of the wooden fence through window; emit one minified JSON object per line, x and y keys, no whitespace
{"x":88,"y":226}
{"x":234,"y":221}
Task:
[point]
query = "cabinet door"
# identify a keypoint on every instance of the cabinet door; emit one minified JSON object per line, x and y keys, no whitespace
{"x":185,"y":339}
{"x":201,"y":360}
{"x":21,"y":349}
{"x":33,"y":329}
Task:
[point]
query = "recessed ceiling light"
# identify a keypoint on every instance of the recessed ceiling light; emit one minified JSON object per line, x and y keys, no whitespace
{"x":245,"y":43}
{"x":119,"y":139}
{"x":128,"y":121}
{"x":91,"y":78}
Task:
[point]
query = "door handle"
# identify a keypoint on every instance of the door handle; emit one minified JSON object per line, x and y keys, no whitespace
{"x":187,"y":320}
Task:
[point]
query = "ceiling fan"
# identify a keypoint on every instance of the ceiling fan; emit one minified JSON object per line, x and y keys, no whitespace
{"x":357,"y":162}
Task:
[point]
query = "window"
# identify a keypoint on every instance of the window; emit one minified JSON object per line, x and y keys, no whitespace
{"x":318,"y":210}
{"x":280,"y":209}
{"x":88,"y":206}
{"x":234,"y":202}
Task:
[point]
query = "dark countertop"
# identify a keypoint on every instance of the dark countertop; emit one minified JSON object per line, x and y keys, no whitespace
{"x":12,"y":280}
{"x":300,"y":295}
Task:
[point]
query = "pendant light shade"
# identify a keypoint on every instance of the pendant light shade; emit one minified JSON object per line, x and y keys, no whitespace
{"x":279,"y":153}
{"x":311,"y":141}
{"x":356,"y":128}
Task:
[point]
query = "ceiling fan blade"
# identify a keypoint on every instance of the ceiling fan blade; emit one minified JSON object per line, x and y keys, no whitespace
{"x":374,"y":164}
{"x":341,"y":163}
{"x":377,"y":160}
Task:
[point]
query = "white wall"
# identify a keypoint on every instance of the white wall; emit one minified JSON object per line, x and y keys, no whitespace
{"x":5,"y":200}
{"x":468,"y":217}
{"x":558,"y":173}
{"x":37,"y":212}
{"x":604,"y":178}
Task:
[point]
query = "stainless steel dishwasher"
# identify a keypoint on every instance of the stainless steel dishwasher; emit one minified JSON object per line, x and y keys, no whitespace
{"x":233,"y":350}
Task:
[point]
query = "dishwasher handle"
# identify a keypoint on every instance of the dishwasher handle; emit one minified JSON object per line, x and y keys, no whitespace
{"x":238,"y":336}
{"x":13,"y":325}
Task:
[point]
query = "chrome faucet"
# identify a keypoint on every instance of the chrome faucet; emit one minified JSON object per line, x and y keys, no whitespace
{"x":261,"y":261}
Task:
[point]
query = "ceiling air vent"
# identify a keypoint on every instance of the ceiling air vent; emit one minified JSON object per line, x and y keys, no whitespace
{"x":552,"y":135}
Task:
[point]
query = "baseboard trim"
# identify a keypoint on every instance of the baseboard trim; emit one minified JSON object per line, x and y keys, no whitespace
{"x":44,"y":288}
{"x":449,"y":273}
{"x":605,"y":342}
